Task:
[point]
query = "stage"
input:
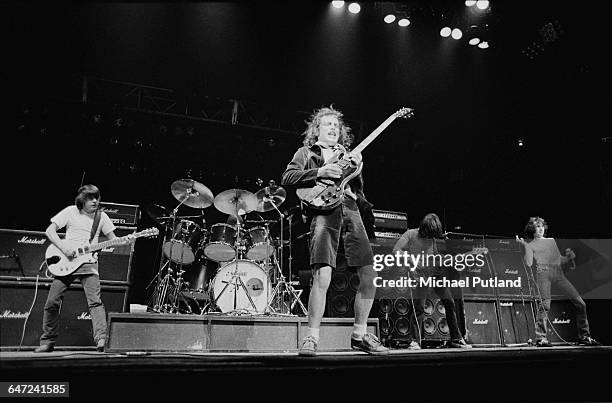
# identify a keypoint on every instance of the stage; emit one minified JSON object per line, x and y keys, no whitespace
{"x":484,"y":374}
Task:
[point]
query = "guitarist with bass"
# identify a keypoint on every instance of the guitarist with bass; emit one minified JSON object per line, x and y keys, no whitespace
{"x":79,"y":220}
{"x":328,"y":180}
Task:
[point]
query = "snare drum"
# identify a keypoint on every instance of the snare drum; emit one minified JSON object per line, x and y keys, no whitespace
{"x":220,"y":246}
{"x":186,"y":238}
{"x":255,"y":280}
{"x":258,"y":246}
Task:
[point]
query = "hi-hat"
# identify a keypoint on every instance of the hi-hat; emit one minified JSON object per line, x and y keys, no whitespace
{"x":269,"y":195}
{"x":192,"y":193}
{"x":235,"y":201}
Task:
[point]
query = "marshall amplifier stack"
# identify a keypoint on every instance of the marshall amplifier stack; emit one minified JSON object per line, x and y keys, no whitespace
{"x":22,"y":256}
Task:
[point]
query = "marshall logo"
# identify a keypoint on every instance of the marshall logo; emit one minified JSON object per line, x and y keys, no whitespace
{"x":508,"y":271}
{"x":506,"y":304}
{"x":475,"y":270}
{"x":109,"y":250}
{"x":481,"y":321}
{"x":502,"y":242}
{"x":35,"y":241}
{"x":13,"y":315}
{"x":561,"y":321}
{"x":84,"y":316}
{"x":110,"y":210}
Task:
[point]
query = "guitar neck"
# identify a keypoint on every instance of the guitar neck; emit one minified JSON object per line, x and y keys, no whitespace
{"x":366,"y":142}
{"x":106,"y":244}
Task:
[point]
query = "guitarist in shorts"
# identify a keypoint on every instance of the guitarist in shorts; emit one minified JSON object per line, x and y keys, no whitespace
{"x":79,"y":221}
{"x":325,"y":135}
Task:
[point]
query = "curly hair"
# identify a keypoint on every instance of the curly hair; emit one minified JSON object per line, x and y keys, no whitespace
{"x":530,"y":228}
{"x":311,"y":134}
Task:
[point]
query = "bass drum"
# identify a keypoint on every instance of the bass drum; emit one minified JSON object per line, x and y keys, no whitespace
{"x":255,"y":280}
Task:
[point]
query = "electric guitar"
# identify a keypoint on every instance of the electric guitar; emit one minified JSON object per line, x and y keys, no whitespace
{"x":61,"y":265}
{"x":327,"y":193}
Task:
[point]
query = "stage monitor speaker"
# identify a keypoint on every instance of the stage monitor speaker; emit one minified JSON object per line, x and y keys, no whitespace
{"x":562,"y":325}
{"x":30,"y":246}
{"x":482,"y":324}
{"x":16,"y":298}
{"x":517,"y":321}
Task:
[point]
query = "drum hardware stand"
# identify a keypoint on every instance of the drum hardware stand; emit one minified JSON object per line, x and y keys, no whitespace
{"x":235,"y":279}
{"x":283,"y":286}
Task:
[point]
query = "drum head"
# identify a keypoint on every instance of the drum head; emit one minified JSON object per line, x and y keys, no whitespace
{"x":225,"y":286}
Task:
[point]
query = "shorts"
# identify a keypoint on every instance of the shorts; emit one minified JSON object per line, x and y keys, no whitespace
{"x":325,"y":232}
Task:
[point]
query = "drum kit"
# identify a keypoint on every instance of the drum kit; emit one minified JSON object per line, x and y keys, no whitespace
{"x":247,"y":279}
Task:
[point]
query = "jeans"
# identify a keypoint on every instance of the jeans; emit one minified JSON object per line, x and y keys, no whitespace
{"x":51,"y":316}
{"x":546,"y":275}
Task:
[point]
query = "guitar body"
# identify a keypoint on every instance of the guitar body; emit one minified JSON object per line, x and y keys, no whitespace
{"x":60,"y":265}
{"x":327,"y":193}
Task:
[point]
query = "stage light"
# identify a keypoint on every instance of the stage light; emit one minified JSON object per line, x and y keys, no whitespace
{"x":354,"y":8}
{"x":474,"y":41}
{"x":389,"y":18}
{"x":338,"y":4}
{"x":483,"y":45}
{"x":404,"y":22}
{"x":520,"y":142}
{"x":482,"y":4}
{"x":445,"y":32}
{"x":470,"y":3}
{"x":457,"y":34}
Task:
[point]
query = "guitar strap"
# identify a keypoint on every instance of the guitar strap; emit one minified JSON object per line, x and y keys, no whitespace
{"x":94,"y":227}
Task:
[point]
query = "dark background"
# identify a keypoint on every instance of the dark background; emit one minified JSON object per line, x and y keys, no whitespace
{"x":458,"y":156}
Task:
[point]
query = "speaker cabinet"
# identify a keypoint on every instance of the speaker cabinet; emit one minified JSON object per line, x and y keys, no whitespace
{"x":482,"y":323}
{"x":16,"y":298}
{"x":508,"y":265}
{"x":517,"y":321}
{"x":562,"y":326}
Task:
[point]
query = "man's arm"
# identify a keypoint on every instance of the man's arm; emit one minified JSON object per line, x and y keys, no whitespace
{"x":51,"y":233}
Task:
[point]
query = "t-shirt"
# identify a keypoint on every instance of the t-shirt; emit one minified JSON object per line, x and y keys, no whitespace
{"x":411,"y":242}
{"x":78,"y":228}
{"x":544,"y":251}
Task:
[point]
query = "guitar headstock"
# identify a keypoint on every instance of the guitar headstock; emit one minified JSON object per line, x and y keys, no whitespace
{"x":404,"y":113}
{"x":149,"y":232}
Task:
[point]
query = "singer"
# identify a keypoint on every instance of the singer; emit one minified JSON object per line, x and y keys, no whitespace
{"x":325,"y":133}
{"x":83,"y":222}
{"x":543,"y":253}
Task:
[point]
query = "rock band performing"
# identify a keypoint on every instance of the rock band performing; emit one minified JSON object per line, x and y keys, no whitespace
{"x":337,"y":201}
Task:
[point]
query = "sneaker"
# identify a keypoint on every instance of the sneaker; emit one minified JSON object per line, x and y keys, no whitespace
{"x":100,"y":345}
{"x":588,"y":341}
{"x":44,"y":348}
{"x":370,"y":344}
{"x":543,"y":343}
{"x":309,"y":347}
{"x":460,"y":343}
{"x":414,"y":345}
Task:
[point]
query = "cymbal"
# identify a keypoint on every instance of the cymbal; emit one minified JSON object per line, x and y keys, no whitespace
{"x":268,"y":195}
{"x":234,"y":201}
{"x":193,"y":193}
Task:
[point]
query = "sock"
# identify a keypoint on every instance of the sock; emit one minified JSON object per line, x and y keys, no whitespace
{"x":359,"y":331}
{"x":314,"y":332}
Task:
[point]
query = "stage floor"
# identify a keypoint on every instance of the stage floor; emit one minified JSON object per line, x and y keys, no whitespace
{"x":483,"y":374}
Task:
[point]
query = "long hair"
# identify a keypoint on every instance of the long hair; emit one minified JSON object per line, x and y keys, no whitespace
{"x":86,"y":192}
{"x":530,"y":228}
{"x":311,"y":134}
{"x":431,"y":227}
